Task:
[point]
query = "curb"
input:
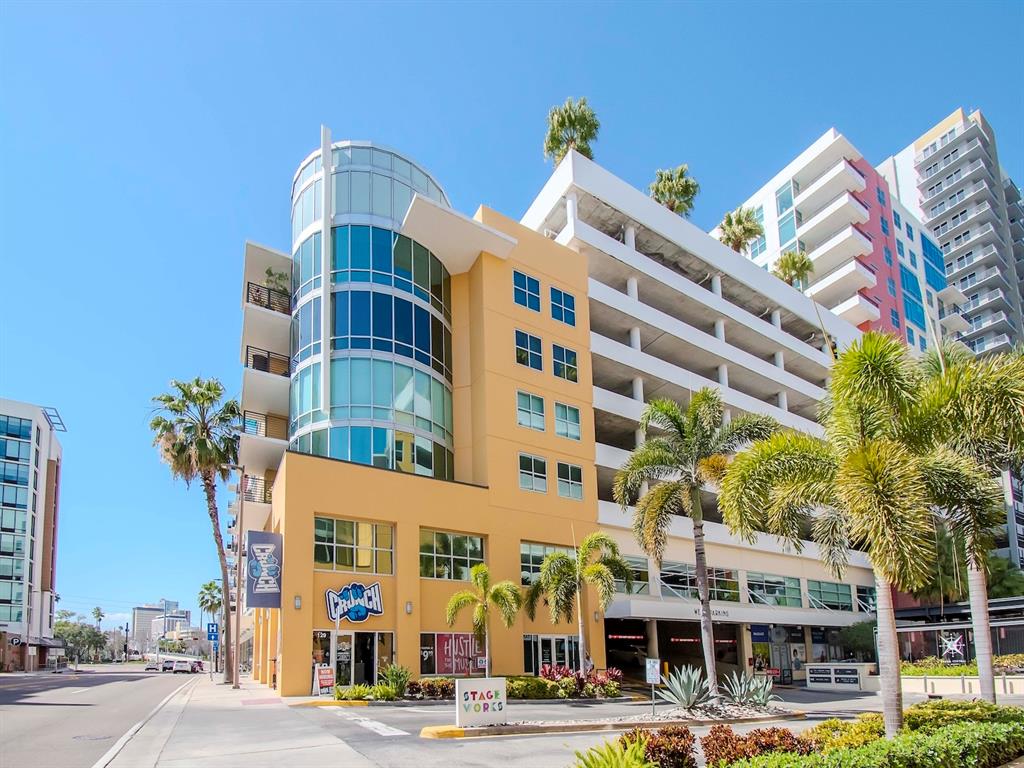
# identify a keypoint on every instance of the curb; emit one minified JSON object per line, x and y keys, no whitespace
{"x":451,"y":702}
{"x":454,"y":732}
{"x":120,"y":744}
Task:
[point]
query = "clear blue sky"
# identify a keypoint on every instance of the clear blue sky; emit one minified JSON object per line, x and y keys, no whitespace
{"x":142,"y":145}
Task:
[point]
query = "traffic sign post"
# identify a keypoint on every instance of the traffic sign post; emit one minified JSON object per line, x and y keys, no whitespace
{"x":653,"y":677}
{"x":212,"y":631}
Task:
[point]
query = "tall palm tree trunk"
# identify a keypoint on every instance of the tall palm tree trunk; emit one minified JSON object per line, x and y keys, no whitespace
{"x":977,"y":590}
{"x":888,"y":658}
{"x":487,"y":647}
{"x":707,"y":632}
{"x":580,"y":587}
{"x":210,"y":488}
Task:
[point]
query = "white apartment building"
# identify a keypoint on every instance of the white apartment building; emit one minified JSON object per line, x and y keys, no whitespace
{"x":673,"y":310}
{"x":30,"y":470}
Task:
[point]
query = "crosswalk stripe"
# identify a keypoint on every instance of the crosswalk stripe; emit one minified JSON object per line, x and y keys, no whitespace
{"x":381,"y":729}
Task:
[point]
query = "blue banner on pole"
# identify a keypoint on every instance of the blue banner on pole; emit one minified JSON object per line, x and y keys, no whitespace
{"x":263,"y":571}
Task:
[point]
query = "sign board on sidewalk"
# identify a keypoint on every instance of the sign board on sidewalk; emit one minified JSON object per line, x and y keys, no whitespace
{"x":480,"y":701}
{"x":653,"y":671}
{"x":323,"y":680}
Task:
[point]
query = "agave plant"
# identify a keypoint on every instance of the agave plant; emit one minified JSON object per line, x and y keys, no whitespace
{"x":739,"y":687}
{"x":761,"y":691}
{"x":687,"y":688}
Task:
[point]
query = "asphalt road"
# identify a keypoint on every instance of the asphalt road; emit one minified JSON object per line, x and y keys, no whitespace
{"x":70,"y":720}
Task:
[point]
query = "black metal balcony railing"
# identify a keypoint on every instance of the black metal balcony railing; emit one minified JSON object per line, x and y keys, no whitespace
{"x":263,"y":360}
{"x":255,"y":489}
{"x":268,"y":298}
{"x":265,"y":425}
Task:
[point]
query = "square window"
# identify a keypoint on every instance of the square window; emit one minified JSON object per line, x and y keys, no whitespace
{"x":565,"y":363}
{"x":528,"y":351}
{"x":567,"y":421}
{"x":570,"y":481}
{"x":533,"y":473}
{"x":526,"y":291}
{"x":530,"y":411}
{"x":563,"y":306}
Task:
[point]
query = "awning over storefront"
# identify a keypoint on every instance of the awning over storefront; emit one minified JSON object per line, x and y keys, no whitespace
{"x":46,"y":642}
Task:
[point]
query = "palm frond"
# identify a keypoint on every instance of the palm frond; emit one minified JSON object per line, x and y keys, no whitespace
{"x":653,"y":515}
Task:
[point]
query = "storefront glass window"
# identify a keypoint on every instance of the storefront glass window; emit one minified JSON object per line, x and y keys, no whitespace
{"x":449,"y":555}
{"x":359,"y":547}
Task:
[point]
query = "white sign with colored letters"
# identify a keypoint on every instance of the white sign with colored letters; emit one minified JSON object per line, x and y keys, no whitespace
{"x":480,"y":701}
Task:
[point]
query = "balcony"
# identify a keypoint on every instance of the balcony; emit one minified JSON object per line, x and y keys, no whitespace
{"x":268,"y":298}
{"x":992,"y":298}
{"x":842,"y":283}
{"x":955,"y":268}
{"x":266,"y":318}
{"x":841,"y":211}
{"x":971,"y":150}
{"x":857,"y":309}
{"x":956,"y":247}
{"x":256,"y":491}
{"x":263,"y":441}
{"x":973,"y":171}
{"x":843,"y":245}
{"x":269,"y":362}
{"x":956,"y":224}
{"x":997,"y":321}
{"x":841,"y":177}
{"x":986,"y":278}
{"x":979,"y":192}
{"x":1001,"y":343}
{"x":951,"y":319}
{"x":951,"y":294}
{"x":265,"y":381}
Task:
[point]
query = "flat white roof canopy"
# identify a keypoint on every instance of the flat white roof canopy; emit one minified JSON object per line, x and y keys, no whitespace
{"x":454,"y":238}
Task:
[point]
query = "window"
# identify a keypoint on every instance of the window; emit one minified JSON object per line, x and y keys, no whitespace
{"x":563,"y":306}
{"x":355,"y":546}
{"x":885,"y":225}
{"x":680,"y":579}
{"x":528,"y":351}
{"x":910,"y":232}
{"x":910,"y":336}
{"x":768,"y":589}
{"x":931,"y":298}
{"x":880,"y":195}
{"x":531,"y":558}
{"x":827,"y":594}
{"x":913,"y":259}
{"x":449,"y":555}
{"x":639,"y":569}
{"x":526,"y":291}
{"x":565,"y":363}
{"x":899,"y":247}
{"x":12,"y":426}
{"x":896,"y":220}
{"x":530,"y":411}
{"x":888,"y":255}
{"x":758,"y":245}
{"x":570,"y":481}
{"x":567,"y":421}
{"x":890,"y":284}
{"x":450,"y":653}
{"x":784,"y":199}
{"x":922,"y":343}
{"x":533,"y":473}
{"x":866,"y":598}
{"x":787,"y":228}
{"x":895,"y":318}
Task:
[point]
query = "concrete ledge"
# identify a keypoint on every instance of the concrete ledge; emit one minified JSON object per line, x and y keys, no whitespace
{"x":454,"y":732}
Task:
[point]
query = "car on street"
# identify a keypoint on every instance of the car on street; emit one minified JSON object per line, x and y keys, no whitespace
{"x":168,"y":665}
{"x":151,"y":667}
{"x":182,"y":665}
{"x":197,"y":666}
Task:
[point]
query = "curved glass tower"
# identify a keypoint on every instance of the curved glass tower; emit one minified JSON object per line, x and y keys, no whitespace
{"x":371,"y":345}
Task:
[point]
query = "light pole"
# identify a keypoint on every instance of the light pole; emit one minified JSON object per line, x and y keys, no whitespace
{"x":239,"y":533}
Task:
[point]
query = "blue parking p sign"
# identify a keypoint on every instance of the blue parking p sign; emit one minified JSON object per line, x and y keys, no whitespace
{"x":212,"y":631}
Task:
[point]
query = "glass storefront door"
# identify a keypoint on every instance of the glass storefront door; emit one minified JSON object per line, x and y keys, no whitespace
{"x":343,"y":658}
{"x":555,"y":650}
{"x":358,"y":656}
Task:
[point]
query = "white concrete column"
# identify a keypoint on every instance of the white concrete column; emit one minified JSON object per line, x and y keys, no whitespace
{"x":716,"y":285}
{"x":726,"y":416}
{"x":638,"y":388}
{"x":571,"y":204}
{"x":629,"y":237}
{"x":723,"y":375}
{"x":631,"y":288}
{"x":653,"y":578}
{"x":652,"y":639}
{"x":326,"y":308}
{"x":776,"y":318}
{"x":634,"y":337}
{"x":720,"y":329}
{"x":783,"y":400}
{"x":779,"y":360}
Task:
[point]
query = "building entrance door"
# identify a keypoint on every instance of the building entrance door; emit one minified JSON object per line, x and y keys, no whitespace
{"x":364,"y":666}
{"x":556,"y":650}
{"x":343,"y":658}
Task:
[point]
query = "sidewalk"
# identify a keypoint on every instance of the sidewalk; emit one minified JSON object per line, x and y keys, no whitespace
{"x":210,"y":724}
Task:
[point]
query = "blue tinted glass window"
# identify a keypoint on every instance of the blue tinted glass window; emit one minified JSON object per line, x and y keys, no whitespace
{"x":885,"y":225}
{"x":526,"y":291}
{"x":403,"y":257}
{"x":339,"y":260}
{"x":528,"y":350}
{"x":910,"y":231}
{"x":784,"y":201}
{"x":896,"y":220}
{"x":913,"y":311}
{"x":361,"y":450}
{"x":341,"y":314}
{"x":935,"y":278}
{"x":382,"y":250}
{"x":880,"y":195}
{"x":895,"y":318}
{"x":382,"y":314}
{"x":899,"y":247}
{"x":913,"y":259}
{"x":922,"y":343}
{"x":787,"y":228}
{"x":360,"y":248}
{"x":891,"y":285}
{"x":339,"y":442}
{"x":910,"y":336}
{"x":564,"y":363}
{"x":360,"y":313}
{"x":888,"y":255}
{"x":910,"y":283}
{"x":403,"y":321}
{"x":422,"y":320}
{"x":563,"y":306}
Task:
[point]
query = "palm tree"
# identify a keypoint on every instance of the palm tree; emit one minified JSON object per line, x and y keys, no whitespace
{"x":979,"y":404}
{"x":97,"y":614}
{"x":210,"y":601}
{"x":196,"y":432}
{"x":675,"y":189}
{"x":738,"y":228}
{"x":872,"y":482}
{"x":503,"y":596}
{"x":688,"y":453}
{"x":571,"y":126}
{"x":793,"y":267}
{"x":564,"y":578}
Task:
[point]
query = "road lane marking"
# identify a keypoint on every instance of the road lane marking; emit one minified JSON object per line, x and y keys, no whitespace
{"x":111,"y":753}
{"x":373,"y":725}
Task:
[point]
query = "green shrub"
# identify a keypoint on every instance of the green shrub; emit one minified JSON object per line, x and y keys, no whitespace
{"x":397,"y":677}
{"x":528,"y":687}
{"x":1009,"y":661}
{"x":834,"y":734}
{"x":611,"y":689}
{"x":669,"y":747}
{"x":937,"y":713}
{"x":356,"y":692}
{"x":979,"y":745}
{"x":383,"y":692}
{"x":612,"y":754}
{"x":936,"y":667}
{"x":567,"y":688}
